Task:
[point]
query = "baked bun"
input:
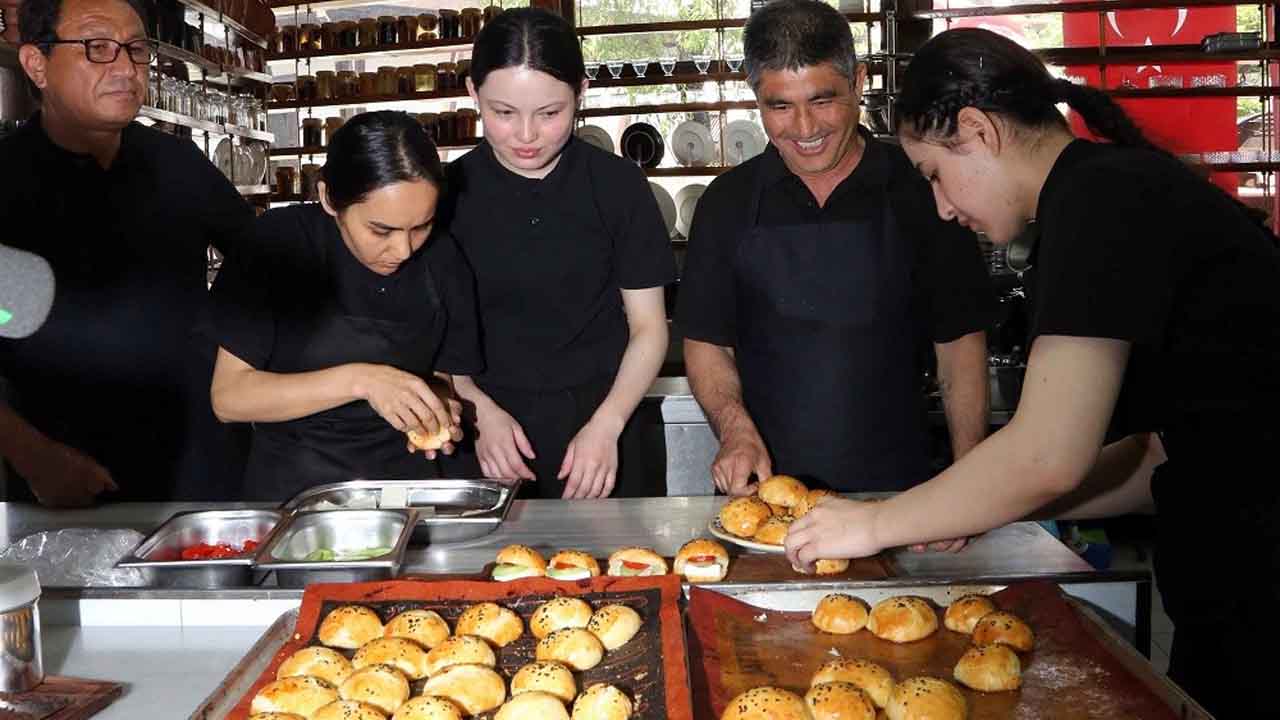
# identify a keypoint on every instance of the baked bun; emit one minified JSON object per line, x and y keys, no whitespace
{"x":422,"y":441}
{"x":276,"y":716}
{"x":316,"y":661}
{"x":473,"y":688}
{"x":347,"y":710}
{"x":902,"y":619}
{"x":572,"y":565}
{"x":831,"y":566}
{"x":636,"y":562}
{"x":424,"y":627}
{"x":540,"y":705}
{"x":460,"y":650}
{"x":773,"y":531}
{"x":840,"y":614}
{"x":614,"y":625}
{"x":548,"y":677}
{"x":428,"y":707}
{"x":811,"y":500}
{"x":404,"y":655}
{"x":742,"y":516}
{"x":926,"y":698}
{"x":518,"y":561}
{"x":349,"y":627}
{"x":839,"y":701}
{"x":1006,"y":629}
{"x":382,"y":686}
{"x":783,"y":490}
{"x":702,"y":560}
{"x":492,"y":622}
{"x":867,"y":676}
{"x":964,"y":613}
{"x":766,"y":703}
{"x":602,"y":702}
{"x":561,"y":612}
{"x":989,"y":668}
{"x":779,"y":511}
{"x":575,"y":647}
{"x":302,"y":695}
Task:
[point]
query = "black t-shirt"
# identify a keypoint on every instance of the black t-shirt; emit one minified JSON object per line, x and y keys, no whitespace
{"x":550,"y":258}
{"x":951,"y":296}
{"x":118,"y":370}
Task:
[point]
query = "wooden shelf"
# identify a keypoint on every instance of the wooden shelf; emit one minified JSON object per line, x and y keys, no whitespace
{"x":381,"y":49}
{"x":687,"y":25}
{"x":1199,"y":92}
{"x":303,"y":151}
{"x":1242,"y":166}
{"x":668,"y":108}
{"x":1146,"y":55}
{"x":213,"y":72}
{"x":1067,"y":7}
{"x":351,"y":102}
{"x":687,"y":171}
{"x":217,"y":16}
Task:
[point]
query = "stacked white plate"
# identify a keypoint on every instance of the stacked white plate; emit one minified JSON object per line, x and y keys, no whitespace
{"x":692,"y":144}
{"x":686,"y":204}
{"x":666,"y":205}
{"x":743,"y":140}
{"x":598,"y":136}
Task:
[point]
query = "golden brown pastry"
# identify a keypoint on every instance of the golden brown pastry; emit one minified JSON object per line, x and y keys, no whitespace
{"x":869,"y":677}
{"x":783,"y":490}
{"x":518,"y":561}
{"x":743,"y":516}
{"x":557,"y":613}
{"x":779,"y":510}
{"x":347,"y":710}
{"x":533,"y":706}
{"x":614,"y":625}
{"x":460,"y":650}
{"x":575,"y":647}
{"x":424,"y":627}
{"x":302,"y":695}
{"x":902,"y":619}
{"x":965,"y":612}
{"x":766,"y":703}
{"x":474,"y":688}
{"x":316,"y":661}
{"x":773,"y":531}
{"x":382,"y":686}
{"x":428,"y":707}
{"x":636,"y":562}
{"x":404,"y":655}
{"x":839,"y":701}
{"x":1006,"y":629}
{"x":422,"y":441}
{"x":830,"y":566}
{"x":926,"y":698}
{"x":811,"y":500}
{"x":989,"y":668}
{"x":840,"y":614}
{"x":545,"y":676}
{"x":492,"y":622}
{"x":276,"y":716}
{"x":349,"y":627}
{"x":572,"y":565}
{"x":702,"y":560}
{"x":602,"y":702}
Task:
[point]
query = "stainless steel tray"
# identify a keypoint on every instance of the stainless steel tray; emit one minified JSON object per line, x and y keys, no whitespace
{"x":224,"y":697}
{"x":303,"y":532}
{"x":448,"y":510}
{"x":161,"y":550}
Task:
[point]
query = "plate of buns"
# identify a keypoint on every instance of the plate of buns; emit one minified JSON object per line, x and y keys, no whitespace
{"x":760,"y":522}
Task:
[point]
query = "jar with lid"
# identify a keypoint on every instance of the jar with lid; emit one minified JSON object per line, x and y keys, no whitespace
{"x":424,"y":77}
{"x":386,"y":80}
{"x":427,"y":26}
{"x":446,"y":77}
{"x":312,"y":132}
{"x":405,"y":82}
{"x":328,"y":36}
{"x":407,"y":29}
{"x":464,"y":69}
{"x":326,"y":85}
{"x":368,"y":84}
{"x":448,"y":128}
{"x":307,"y":88}
{"x":491,"y":12}
{"x":348,"y":35}
{"x":282,"y":92}
{"x":367,"y":33}
{"x":470,"y":19}
{"x":331,"y":126}
{"x":450,"y":24}
{"x":309,"y":37}
{"x":286,"y":180}
{"x":289,"y":39}
{"x":431,"y":124}
{"x":348,"y":85}
{"x":466,"y":124}
{"x":310,"y":181}
{"x":387,"y":31}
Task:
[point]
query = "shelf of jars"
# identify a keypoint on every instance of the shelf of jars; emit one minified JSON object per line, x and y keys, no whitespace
{"x":193,"y":123}
{"x":238,"y":22}
{"x":1070,"y":6}
{"x":368,"y":99}
{"x":210,"y":71}
{"x":307,"y":37}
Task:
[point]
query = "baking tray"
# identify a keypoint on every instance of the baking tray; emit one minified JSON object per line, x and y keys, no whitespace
{"x":228,"y":692}
{"x":160,"y":551}
{"x":448,"y":510}
{"x":303,"y":532}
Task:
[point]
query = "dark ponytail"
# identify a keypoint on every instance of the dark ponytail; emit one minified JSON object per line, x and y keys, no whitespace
{"x":376,"y":149}
{"x":531,"y":37}
{"x":1105,"y":118}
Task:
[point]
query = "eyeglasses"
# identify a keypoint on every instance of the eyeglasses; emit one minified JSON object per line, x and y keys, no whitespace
{"x":105,"y":50}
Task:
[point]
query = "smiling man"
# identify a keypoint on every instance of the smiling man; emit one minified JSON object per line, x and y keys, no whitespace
{"x":816,"y":273}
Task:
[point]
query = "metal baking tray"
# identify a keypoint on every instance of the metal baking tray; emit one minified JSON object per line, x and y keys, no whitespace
{"x":304,"y":532}
{"x":448,"y":511}
{"x":161,"y":550}
{"x":219,"y":704}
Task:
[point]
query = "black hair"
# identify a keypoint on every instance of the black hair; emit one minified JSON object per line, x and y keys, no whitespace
{"x":792,"y":34}
{"x":532,"y":37}
{"x":38,"y":20}
{"x":376,"y":149}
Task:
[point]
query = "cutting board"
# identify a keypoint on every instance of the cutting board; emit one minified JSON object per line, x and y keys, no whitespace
{"x":60,"y":698}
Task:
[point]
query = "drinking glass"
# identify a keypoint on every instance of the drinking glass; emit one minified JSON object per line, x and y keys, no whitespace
{"x":702,"y":62}
{"x":615,"y":68}
{"x":641,"y":66}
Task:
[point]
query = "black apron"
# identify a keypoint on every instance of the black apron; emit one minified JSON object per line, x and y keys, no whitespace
{"x":351,"y":441}
{"x":826,"y":350}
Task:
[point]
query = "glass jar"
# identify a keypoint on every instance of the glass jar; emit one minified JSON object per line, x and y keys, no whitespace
{"x":427,"y":26}
{"x":446,"y":77}
{"x":491,"y":12}
{"x":331,"y":126}
{"x":307,"y":88}
{"x":286,"y":180}
{"x":431,"y":124}
{"x":469,"y":20}
{"x":386,"y":80}
{"x":310,"y":180}
{"x":328,"y":36}
{"x":282,"y":92}
{"x":407,"y":29}
{"x":450,"y":24}
{"x":348,"y":85}
{"x":424,"y":78}
{"x":326,"y":85}
{"x":289,"y":39}
{"x":273,"y":43}
{"x":467,"y":121}
{"x":405,"y":80}
{"x":448,"y":128}
{"x":348,"y":35}
{"x":312,"y":133}
{"x":388,"y":34}
{"x":464,"y":69}
{"x":367,"y":33}
{"x":368,"y":84}
{"x":309,"y":37}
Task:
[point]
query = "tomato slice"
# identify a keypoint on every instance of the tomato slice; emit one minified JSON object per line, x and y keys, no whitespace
{"x":564,"y":566}
{"x":250,"y":546}
{"x":635,"y":565}
{"x":702,"y":559}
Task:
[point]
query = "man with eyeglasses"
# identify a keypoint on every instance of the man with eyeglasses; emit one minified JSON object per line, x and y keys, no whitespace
{"x":110,"y":397}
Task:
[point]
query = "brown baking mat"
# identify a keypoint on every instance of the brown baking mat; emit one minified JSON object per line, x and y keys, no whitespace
{"x":651,"y":668}
{"x":60,"y":698}
{"x":1070,"y":674}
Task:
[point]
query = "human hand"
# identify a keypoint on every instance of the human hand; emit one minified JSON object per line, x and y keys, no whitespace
{"x":590,"y":466}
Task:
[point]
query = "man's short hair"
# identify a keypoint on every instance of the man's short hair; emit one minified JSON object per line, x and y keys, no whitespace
{"x":794,"y":34}
{"x":38,"y":20}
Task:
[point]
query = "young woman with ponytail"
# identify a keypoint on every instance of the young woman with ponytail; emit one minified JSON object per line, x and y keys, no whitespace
{"x":1155,"y":340}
